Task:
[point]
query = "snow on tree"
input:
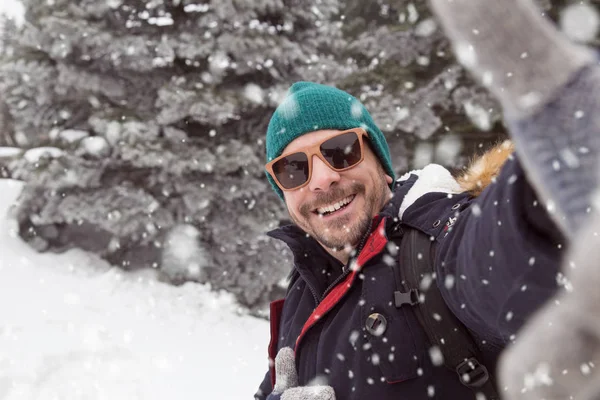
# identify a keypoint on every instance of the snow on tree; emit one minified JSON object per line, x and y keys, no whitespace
{"x":169,"y":101}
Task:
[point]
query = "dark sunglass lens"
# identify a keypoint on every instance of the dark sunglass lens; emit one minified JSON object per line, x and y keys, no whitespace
{"x":342,"y":151}
{"x":291,"y":171}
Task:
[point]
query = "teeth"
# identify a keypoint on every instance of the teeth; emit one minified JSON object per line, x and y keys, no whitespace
{"x":334,"y":207}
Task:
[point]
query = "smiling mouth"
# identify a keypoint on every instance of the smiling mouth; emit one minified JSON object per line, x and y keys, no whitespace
{"x":335,"y":207}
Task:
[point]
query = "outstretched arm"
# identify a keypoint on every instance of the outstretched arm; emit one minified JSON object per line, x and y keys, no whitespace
{"x":499,"y":262}
{"x":548,"y":88}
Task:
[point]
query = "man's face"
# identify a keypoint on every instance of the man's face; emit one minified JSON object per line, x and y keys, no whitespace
{"x":364,"y":188}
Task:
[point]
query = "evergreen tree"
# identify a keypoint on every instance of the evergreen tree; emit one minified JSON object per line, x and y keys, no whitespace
{"x":8,"y":30}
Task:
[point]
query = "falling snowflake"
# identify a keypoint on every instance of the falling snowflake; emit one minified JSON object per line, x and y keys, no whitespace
{"x":437,"y":358}
{"x":580,"y":22}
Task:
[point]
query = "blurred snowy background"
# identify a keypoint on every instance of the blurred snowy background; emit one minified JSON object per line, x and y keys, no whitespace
{"x":73,"y":327}
{"x":133,"y":254}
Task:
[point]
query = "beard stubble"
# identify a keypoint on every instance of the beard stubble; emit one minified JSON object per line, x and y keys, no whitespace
{"x":347,"y":230}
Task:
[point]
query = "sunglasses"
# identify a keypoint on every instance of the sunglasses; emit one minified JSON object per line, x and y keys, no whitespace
{"x":343,"y":151}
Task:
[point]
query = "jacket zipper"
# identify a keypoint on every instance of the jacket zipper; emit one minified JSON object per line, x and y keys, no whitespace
{"x":314,"y":293}
{"x":346,"y":269}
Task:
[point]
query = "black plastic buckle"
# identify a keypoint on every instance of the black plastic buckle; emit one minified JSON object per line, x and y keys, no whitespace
{"x":472,"y":373}
{"x":411,"y":298}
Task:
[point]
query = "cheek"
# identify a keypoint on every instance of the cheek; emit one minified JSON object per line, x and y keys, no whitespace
{"x":365,"y":176}
{"x":293,"y":201}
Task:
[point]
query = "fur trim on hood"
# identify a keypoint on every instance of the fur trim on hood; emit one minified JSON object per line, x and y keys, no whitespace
{"x":483,"y":170}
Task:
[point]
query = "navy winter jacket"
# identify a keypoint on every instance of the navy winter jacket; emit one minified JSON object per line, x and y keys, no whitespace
{"x":501,"y":251}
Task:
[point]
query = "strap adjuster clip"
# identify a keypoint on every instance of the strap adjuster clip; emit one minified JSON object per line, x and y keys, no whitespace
{"x":472,"y":373}
{"x":411,"y":298}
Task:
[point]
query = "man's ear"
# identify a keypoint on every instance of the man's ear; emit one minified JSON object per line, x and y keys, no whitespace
{"x":389,"y":179}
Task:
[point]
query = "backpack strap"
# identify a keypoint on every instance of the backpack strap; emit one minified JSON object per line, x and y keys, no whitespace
{"x":416,"y":287}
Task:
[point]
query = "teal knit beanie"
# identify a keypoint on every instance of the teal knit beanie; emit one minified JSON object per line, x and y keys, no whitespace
{"x":310,"y":107}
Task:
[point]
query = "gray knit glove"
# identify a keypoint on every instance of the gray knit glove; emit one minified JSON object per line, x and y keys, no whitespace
{"x":557,"y":354}
{"x":512,"y":49}
{"x":286,"y":381}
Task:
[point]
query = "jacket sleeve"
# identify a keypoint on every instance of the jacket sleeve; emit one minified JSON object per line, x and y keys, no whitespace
{"x":500,"y":261}
{"x":265,"y":388}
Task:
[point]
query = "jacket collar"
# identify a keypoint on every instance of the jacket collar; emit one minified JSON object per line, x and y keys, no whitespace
{"x":311,"y":260}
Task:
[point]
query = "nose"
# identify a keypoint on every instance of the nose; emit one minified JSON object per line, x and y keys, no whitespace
{"x":322,"y":175}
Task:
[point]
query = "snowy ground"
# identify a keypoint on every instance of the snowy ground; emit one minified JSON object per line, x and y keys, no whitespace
{"x":72,"y":327}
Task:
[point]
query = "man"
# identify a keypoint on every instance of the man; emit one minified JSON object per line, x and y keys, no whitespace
{"x":338,"y":334}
